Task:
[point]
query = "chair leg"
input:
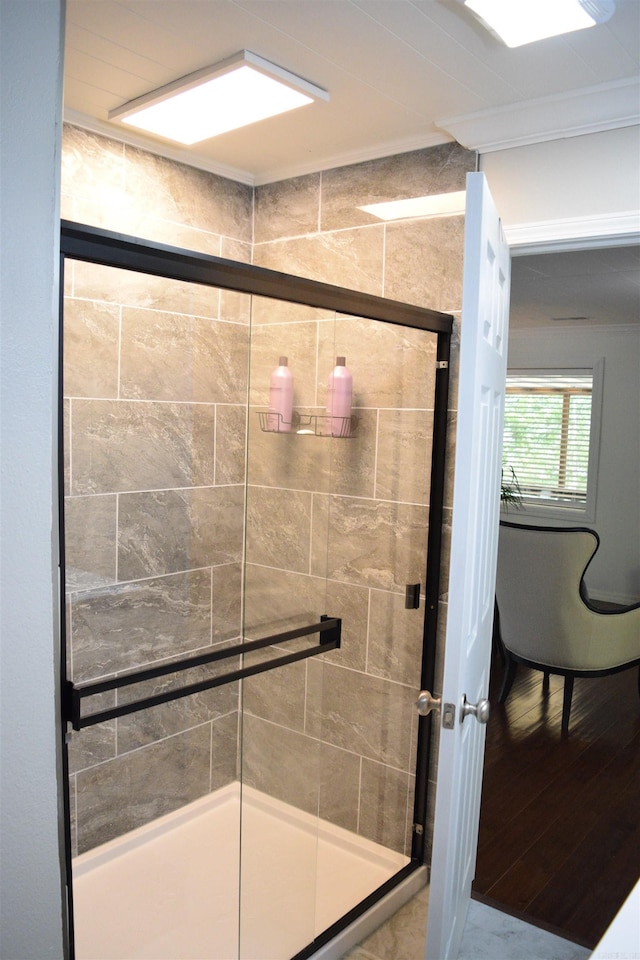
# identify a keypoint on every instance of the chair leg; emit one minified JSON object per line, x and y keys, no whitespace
{"x":545,"y":682}
{"x":566,"y":702}
{"x":509,"y":677}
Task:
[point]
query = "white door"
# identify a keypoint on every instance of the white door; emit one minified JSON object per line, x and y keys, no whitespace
{"x":476,"y":503}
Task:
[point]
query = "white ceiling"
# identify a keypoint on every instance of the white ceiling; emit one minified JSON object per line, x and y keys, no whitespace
{"x":401,"y":74}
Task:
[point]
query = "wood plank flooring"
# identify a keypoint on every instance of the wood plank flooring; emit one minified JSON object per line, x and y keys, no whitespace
{"x":559,"y":841}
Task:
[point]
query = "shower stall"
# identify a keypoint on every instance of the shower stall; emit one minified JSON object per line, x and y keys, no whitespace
{"x":250,"y":604}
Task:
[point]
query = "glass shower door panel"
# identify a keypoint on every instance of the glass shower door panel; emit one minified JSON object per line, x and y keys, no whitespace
{"x":155,"y":381}
{"x":289,"y":465}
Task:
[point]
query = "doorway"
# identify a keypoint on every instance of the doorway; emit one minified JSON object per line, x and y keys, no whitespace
{"x":246,"y":600}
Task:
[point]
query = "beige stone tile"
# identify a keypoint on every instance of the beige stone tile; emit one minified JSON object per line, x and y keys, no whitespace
{"x":395,"y":639}
{"x":90,"y":541}
{"x":403,"y":936}
{"x":350,"y":603}
{"x":173,"y":530}
{"x":278,"y":600}
{"x":169,"y":357}
{"x":235,"y":306}
{"x":91,"y":345}
{"x":283,"y":763}
{"x":420,"y":173}
{"x":136,"y":788}
{"x":404,"y":455}
{"x":383,"y":805}
{"x":298,"y":342}
{"x":339,"y":786}
{"x":278,"y":528}
{"x":224,"y":751}
{"x":362,"y":714}
{"x":423,"y":262}
{"x":392,"y":366}
{"x":347,"y":258}
{"x":92,"y":165}
{"x":95,"y":744}
{"x":127,"y":445}
{"x":226,"y":591}
{"x":269,"y":310}
{"x":132,"y":624}
{"x":287,"y":208}
{"x":167,"y":719}
{"x":186,"y":195}
{"x":110,"y":284}
{"x":277,"y":695}
{"x":231,"y":425}
{"x":371,"y":542}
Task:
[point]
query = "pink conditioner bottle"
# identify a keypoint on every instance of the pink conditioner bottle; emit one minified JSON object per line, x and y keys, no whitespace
{"x":280,"y":415}
{"x":339,"y":399}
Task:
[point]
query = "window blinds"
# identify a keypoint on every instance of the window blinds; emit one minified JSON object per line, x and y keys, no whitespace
{"x":547,"y":428}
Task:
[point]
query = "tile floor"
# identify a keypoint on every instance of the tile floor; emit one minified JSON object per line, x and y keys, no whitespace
{"x":488,"y":935}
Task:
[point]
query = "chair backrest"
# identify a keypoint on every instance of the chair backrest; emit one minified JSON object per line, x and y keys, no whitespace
{"x":543,"y":617}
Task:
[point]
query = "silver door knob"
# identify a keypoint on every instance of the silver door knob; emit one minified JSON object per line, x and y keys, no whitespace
{"x":479,"y":710}
{"x":426,"y":703}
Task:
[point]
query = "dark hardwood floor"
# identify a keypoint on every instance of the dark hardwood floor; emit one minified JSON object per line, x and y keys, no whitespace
{"x":559,"y":841}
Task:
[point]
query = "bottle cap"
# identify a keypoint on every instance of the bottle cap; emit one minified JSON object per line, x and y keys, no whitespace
{"x":341,"y":361}
{"x":283,"y":362}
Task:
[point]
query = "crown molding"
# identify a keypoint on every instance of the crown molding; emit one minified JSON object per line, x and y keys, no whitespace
{"x":606,"y":106}
{"x":550,"y":236}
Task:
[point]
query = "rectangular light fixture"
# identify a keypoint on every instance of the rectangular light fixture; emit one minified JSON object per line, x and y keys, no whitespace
{"x":232,"y":94}
{"x":517,"y":22}
{"x":437,"y":205}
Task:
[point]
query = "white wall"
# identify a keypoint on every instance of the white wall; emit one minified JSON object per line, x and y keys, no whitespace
{"x":615,"y":572}
{"x":31,"y":900}
{"x":579,"y":186}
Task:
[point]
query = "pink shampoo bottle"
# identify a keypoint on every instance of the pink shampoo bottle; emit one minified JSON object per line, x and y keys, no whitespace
{"x":339,"y":399}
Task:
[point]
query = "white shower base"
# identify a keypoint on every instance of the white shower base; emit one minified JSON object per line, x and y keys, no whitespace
{"x":170,"y":890}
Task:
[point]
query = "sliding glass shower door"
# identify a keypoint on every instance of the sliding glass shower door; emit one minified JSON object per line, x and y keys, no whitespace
{"x":244,"y":604}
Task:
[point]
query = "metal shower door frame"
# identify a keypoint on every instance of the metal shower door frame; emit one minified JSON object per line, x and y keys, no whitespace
{"x":93,"y":245}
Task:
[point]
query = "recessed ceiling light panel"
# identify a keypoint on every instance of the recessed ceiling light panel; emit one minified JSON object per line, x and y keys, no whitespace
{"x":232,"y":94}
{"x":517,"y":22}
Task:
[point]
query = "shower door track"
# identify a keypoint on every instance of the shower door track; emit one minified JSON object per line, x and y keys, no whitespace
{"x":93,"y":245}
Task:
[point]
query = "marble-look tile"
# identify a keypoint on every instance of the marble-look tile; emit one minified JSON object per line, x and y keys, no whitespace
{"x":350,"y":603}
{"x":91,"y":341}
{"x":169,"y":357}
{"x":226,"y":593}
{"x":72,"y":816}
{"x":276,"y":695}
{"x":268,"y":310}
{"x":383,"y":805}
{"x":277,"y":600}
{"x":296,"y":341}
{"x":167,"y":719}
{"x":231,"y":437}
{"x":224,"y":750}
{"x":439,"y":169}
{"x":392,"y":366}
{"x":339,"y":787}
{"x":403,"y":936}
{"x":347,"y":258}
{"x":234,"y":306}
{"x":177,"y":192}
{"x":403,"y":465}
{"x":173,"y":530}
{"x":95,"y":744}
{"x":373,"y":543}
{"x":395,"y":639}
{"x":423,"y":262}
{"x":278,"y":528}
{"x":288,"y":460}
{"x":283,"y":763}
{"x":129,"y":445}
{"x":496,"y":935}
{"x":363,"y":714}
{"x":411,"y":797}
{"x":90,"y":541}
{"x":287,"y":208}
{"x":94,"y":281}
{"x":136,"y":788}
{"x":127,"y":625}
{"x":90,"y":164}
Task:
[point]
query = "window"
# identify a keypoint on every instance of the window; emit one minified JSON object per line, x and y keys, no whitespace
{"x":551,"y":437}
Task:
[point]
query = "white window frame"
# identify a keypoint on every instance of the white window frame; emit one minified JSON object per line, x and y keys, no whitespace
{"x":534,"y":508}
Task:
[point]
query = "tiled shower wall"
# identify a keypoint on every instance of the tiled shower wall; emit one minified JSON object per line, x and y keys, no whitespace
{"x":119,"y":378}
